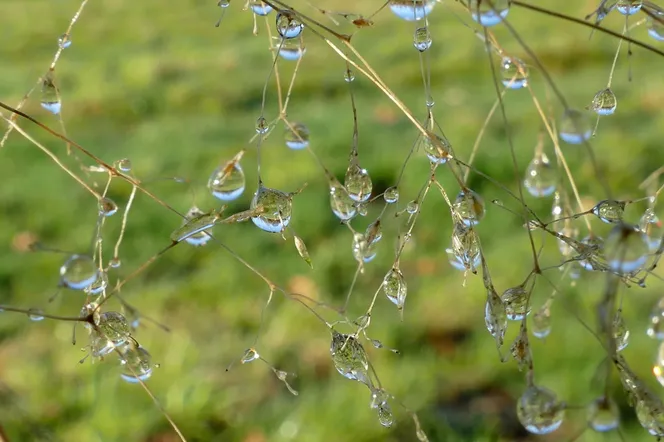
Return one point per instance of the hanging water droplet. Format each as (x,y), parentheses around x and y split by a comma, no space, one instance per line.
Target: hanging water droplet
(595,252)
(422,39)
(391,195)
(35,314)
(358,183)
(87,310)
(541,327)
(604,102)
(64,41)
(199,238)
(657,321)
(107,207)
(469,206)
(541,177)
(385,416)
(49,96)
(656,25)
(194,225)
(136,363)
(277,208)
(115,263)
(349,357)
(495,316)
(260,8)
(488,13)
(603,415)
(297,136)
(514,73)
(437,149)
(363,251)
(123,165)
(342,204)
(653,228)
(291,50)
(609,211)
(224,3)
(99,285)
(363,209)
(539,411)
(288,25)
(620,332)
(412,10)
(412,207)
(629,7)
(261,126)
(457,263)
(516,303)
(626,248)
(227,182)
(112,331)
(465,246)
(575,127)
(349,76)
(394,287)
(249,355)
(78,272)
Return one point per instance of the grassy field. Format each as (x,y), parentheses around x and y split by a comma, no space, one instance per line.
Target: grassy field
(157,83)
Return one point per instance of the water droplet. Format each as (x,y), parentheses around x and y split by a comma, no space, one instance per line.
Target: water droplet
(539,411)
(291,50)
(391,195)
(249,355)
(288,25)
(136,364)
(629,7)
(656,25)
(626,248)
(541,177)
(575,127)
(609,211)
(437,149)
(422,39)
(115,263)
(227,182)
(112,331)
(261,125)
(277,207)
(78,272)
(363,209)
(514,73)
(516,303)
(90,309)
(349,357)
(653,228)
(35,314)
(412,10)
(657,321)
(99,285)
(342,204)
(200,238)
(107,207)
(260,8)
(349,76)
(595,252)
(541,327)
(465,246)
(49,96)
(224,4)
(604,102)
(620,332)
(603,415)
(362,250)
(469,206)
(358,183)
(379,398)
(495,316)
(298,137)
(385,416)
(123,165)
(394,287)
(651,416)
(488,13)
(64,41)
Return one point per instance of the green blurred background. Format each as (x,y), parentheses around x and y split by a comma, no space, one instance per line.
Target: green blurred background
(157,83)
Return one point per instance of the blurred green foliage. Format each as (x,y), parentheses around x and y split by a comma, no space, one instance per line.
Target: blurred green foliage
(156,82)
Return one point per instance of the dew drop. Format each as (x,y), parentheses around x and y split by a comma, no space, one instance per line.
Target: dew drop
(224,4)
(249,355)
(514,73)
(277,208)
(469,206)
(609,211)
(358,183)
(363,251)
(575,128)
(112,331)
(385,416)
(35,314)
(115,263)
(539,411)
(349,76)
(136,364)
(394,287)
(123,165)
(412,10)
(291,50)
(261,125)
(260,8)
(629,7)
(437,149)
(422,39)
(49,96)
(90,309)
(107,207)
(64,41)
(541,327)
(488,13)
(363,209)
(656,25)
(391,195)
(379,398)
(200,237)
(412,207)
(495,316)
(620,332)
(516,303)
(604,102)
(78,272)
(465,246)
(341,203)
(297,137)
(99,285)
(653,228)
(603,415)
(227,182)
(596,244)
(349,357)
(541,176)
(458,264)
(626,249)
(288,25)
(651,416)
(657,321)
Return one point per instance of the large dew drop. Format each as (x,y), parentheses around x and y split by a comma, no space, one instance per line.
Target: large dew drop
(288,25)
(260,8)
(488,13)
(78,272)
(541,177)
(604,102)
(277,207)
(575,128)
(629,7)
(358,183)
(199,238)
(341,203)
(394,286)
(465,246)
(603,415)
(349,358)
(626,249)
(107,207)
(539,411)
(469,206)
(112,331)
(412,10)
(297,136)
(516,303)
(291,50)
(422,39)
(136,364)
(437,149)
(609,211)
(49,96)
(391,195)
(514,73)
(227,182)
